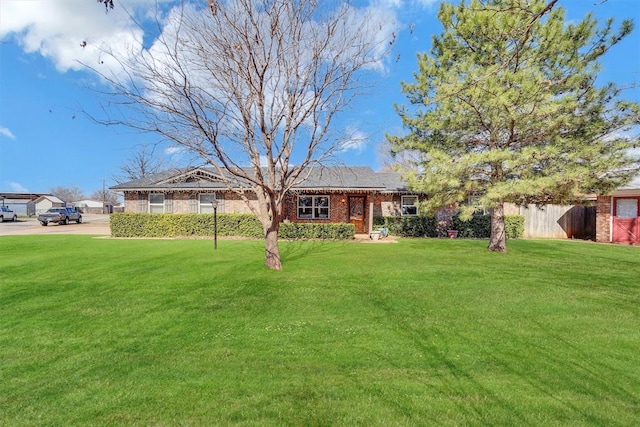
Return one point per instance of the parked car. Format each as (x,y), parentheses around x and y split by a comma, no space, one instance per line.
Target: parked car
(60,216)
(7,214)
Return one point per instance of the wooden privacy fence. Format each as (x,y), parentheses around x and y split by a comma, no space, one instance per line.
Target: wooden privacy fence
(559,221)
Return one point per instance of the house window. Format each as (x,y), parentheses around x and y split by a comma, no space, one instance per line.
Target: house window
(313,207)
(156,203)
(627,208)
(204,201)
(409,205)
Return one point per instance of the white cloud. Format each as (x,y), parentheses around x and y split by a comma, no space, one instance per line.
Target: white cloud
(427,3)
(17,188)
(398,4)
(356,140)
(6,132)
(174,149)
(69,32)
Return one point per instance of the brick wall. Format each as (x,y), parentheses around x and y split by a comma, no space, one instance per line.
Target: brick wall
(338,208)
(187,202)
(603,219)
(386,205)
(233,203)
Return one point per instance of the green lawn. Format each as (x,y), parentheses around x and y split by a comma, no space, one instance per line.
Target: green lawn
(423,332)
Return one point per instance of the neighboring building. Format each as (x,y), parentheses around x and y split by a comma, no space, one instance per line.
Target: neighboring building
(93,207)
(47,201)
(331,194)
(618,215)
(23,204)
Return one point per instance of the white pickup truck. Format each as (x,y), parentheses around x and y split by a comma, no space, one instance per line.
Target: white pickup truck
(60,215)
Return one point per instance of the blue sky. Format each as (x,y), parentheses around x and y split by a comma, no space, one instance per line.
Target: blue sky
(47,141)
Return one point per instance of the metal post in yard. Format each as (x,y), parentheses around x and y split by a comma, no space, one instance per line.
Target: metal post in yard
(214,203)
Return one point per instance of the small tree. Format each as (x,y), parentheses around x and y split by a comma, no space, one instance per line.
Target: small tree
(143,163)
(105,196)
(67,194)
(510,111)
(253,87)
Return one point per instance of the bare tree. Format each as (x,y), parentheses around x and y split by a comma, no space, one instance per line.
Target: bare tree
(143,163)
(67,194)
(254,88)
(105,196)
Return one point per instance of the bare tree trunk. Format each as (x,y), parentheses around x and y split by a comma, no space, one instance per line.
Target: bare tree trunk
(498,239)
(272,251)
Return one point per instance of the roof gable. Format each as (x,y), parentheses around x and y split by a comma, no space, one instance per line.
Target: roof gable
(52,199)
(191,175)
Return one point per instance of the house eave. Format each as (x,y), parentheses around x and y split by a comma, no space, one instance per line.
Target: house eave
(627,192)
(165,189)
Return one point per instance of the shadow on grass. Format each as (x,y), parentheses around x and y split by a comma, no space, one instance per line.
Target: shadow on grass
(295,250)
(470,395)
(581,381)
(545,366)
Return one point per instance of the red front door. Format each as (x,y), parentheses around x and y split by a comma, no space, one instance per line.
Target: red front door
(356,213)
(626,224)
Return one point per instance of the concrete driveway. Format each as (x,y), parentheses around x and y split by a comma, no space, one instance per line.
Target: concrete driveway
(91,224)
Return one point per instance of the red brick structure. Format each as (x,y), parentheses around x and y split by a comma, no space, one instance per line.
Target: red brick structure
(618,215)
(343,194)
(603,219)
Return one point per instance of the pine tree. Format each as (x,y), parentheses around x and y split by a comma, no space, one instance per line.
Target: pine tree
(506,108)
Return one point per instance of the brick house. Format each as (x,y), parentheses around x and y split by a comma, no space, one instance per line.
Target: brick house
(333,194)
(618,215)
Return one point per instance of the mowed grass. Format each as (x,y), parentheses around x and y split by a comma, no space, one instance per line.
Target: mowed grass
(422,332)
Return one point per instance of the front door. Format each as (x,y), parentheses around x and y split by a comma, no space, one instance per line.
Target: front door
(626,225)
(356,212)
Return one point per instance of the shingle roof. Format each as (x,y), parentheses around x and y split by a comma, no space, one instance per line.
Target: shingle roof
(321,178)
(52,199)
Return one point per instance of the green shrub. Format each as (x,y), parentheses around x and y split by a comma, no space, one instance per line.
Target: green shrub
(479,226)
(229,225)
(408,226)
(327,231)
(514,226)
(184,225)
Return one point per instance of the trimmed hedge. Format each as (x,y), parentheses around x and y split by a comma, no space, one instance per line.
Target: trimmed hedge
(514,226)
(229,225)
(247,225)
(408,226)
(479,226)
(326,231)
(183,225)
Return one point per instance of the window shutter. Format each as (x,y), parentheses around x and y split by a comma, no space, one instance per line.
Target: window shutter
(193,203)
(142,203)
(168,203)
